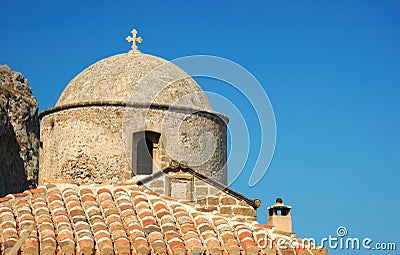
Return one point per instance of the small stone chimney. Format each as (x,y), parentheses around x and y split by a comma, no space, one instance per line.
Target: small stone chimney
(279,216)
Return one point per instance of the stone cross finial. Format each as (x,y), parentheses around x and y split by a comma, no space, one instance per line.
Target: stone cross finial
(133,39)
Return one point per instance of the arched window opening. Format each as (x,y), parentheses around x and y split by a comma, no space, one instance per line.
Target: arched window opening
(144,146)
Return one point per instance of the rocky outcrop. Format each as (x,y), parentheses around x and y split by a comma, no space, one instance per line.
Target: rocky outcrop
(12,172)
(19,133)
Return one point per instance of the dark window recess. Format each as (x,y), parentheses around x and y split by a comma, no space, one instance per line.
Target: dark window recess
(145,157)
(144,144)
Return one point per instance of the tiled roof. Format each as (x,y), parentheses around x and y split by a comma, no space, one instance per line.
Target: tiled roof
(107,220)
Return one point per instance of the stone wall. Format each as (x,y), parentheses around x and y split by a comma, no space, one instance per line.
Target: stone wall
(83,146)
(93,144)
(19,131)
(195,139)
(201,195)
(222,202)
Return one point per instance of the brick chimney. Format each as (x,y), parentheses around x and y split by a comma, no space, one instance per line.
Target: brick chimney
(279,216)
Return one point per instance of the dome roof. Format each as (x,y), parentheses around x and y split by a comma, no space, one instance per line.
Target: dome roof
(135,78)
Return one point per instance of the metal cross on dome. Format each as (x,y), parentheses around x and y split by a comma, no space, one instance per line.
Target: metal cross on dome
(133,39)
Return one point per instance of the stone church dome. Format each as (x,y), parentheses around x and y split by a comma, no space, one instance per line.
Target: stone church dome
(128,115)
(115,78)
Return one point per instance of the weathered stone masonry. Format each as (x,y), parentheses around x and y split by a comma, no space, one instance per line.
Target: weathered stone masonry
(84,149)
(96,118)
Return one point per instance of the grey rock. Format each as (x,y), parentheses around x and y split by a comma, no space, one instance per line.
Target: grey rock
(19,143)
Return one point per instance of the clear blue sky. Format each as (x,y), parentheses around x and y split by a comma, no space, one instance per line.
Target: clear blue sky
(331,70)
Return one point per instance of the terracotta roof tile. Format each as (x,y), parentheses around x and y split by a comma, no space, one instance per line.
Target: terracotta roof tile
(26,222)
(107,220)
